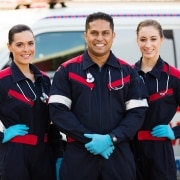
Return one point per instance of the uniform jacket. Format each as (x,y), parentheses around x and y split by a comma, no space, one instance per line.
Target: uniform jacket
(164,94)
(78,106)
(15,108)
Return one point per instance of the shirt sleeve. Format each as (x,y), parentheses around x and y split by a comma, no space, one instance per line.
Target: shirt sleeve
(60,108)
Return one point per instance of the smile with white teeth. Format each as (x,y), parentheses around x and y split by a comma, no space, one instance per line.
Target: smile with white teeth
(26,55)
(99,45)
(149,51)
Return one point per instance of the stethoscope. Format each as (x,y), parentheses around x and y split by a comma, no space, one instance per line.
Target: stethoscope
(90,79)
(157,83)
(43,98)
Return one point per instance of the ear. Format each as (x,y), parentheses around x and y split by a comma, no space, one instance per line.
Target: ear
(9,46)
(85,35)
(162,40)
(114,35)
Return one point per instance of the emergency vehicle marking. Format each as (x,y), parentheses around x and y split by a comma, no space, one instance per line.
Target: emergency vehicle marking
(81,80)
(114,15)
(156,96)
(20,97)
(118,83)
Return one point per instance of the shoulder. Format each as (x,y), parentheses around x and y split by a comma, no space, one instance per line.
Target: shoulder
(77,59)
(123,62)
(172,71)
(5,72)
(44,74)
(126,66)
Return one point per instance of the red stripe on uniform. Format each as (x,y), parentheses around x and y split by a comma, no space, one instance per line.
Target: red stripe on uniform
(29,139)
(156,96)
(26,139)
(146,135)
(77,59)
(5,72)
(80,79)
(20,97)
(118,83)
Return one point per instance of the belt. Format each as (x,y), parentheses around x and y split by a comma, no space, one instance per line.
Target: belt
(146,135)
(70,139)
(29,139)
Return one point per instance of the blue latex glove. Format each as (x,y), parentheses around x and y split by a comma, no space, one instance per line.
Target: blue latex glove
(15,130)
(98,144)
(106,153)
(163,131)
(58,166)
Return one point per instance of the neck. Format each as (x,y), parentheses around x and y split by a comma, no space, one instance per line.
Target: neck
(99,60)
(147,65)
(26,71)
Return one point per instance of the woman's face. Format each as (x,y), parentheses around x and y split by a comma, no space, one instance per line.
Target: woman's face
(149,42)
(22,47)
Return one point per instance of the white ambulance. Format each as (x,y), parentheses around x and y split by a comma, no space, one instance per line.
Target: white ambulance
(59,36)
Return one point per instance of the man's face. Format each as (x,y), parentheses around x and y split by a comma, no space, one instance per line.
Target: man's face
(99,38)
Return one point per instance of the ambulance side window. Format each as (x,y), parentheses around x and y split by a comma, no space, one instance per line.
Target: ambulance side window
(168,49)
(53,48)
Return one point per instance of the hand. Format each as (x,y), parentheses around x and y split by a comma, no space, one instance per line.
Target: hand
(58,166)
(163,131)
(15,130)
(98,144)
(106,153)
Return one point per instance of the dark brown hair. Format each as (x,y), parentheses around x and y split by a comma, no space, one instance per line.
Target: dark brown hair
(150,22)
(14,30)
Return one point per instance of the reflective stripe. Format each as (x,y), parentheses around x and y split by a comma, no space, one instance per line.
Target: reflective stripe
(134,103)
(1,127)
(60,99)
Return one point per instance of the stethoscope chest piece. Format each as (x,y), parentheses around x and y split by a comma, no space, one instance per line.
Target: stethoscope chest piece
(44,97)
(89,78)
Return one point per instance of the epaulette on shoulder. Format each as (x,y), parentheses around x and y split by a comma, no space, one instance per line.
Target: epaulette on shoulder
(5,72)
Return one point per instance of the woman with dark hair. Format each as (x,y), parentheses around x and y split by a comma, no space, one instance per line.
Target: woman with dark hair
(30,143)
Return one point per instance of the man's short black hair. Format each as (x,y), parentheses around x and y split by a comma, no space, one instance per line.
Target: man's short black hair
(99,15)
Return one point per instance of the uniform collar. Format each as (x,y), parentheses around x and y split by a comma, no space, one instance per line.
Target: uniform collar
(17,75)
(87,62)
(157,69)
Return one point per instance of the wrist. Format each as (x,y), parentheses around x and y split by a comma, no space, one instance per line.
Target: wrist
(113,138)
